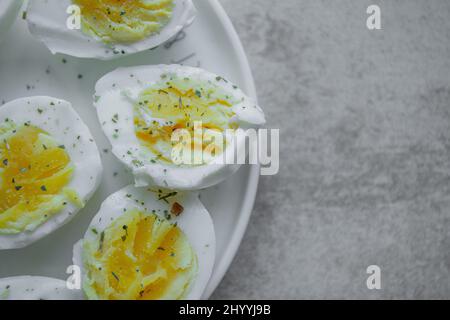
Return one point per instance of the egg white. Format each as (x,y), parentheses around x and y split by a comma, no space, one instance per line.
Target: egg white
(59,119)
(36,288)
(110,100)
(194,221)
(47,21)
(8,14)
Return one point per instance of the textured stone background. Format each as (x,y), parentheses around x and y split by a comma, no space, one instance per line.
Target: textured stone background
(365,150)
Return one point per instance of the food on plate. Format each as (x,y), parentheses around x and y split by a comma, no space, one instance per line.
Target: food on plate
(115,21)
(147,245)
(172,125)
(49,168)
(36,288)
(109,28)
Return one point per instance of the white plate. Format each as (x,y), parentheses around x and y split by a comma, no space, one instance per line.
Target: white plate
(27,68)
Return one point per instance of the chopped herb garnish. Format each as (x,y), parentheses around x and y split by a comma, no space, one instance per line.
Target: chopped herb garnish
(115,276)
(102,238)
(167,196)
(137,163)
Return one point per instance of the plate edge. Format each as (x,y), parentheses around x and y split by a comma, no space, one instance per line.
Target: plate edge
(250,194)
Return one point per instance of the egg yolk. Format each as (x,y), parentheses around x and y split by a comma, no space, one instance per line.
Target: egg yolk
(124,21)
(188,105)
(139,257)
(34,173)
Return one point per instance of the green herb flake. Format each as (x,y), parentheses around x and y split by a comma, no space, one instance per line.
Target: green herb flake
(102,238)
(115,276)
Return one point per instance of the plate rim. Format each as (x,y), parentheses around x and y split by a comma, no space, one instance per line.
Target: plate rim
(223,265)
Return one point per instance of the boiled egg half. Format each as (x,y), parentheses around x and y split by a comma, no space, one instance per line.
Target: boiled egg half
(107,29)
(173,125)
(49,168)
(147,244)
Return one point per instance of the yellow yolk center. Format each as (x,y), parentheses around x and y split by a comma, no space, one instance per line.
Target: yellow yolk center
(139,257)
(34,173)
(201,113)
(122,21)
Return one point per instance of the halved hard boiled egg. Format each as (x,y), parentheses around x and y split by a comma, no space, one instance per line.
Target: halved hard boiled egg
(49,168)
(108,28)
(173,126)
(147,244)
(36,288)
(8,14)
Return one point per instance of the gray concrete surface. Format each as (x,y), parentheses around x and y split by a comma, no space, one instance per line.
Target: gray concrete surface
(365,150)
